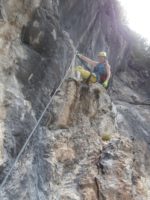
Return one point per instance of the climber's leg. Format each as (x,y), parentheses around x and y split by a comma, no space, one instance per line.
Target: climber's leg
(85,74)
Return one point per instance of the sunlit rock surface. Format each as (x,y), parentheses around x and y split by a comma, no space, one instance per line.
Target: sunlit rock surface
(67,158)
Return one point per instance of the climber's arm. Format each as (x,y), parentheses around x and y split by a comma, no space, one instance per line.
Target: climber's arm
(88,60)
(108,69)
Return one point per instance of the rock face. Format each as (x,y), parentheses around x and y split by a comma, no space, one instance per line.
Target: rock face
(70,158)
(67,158)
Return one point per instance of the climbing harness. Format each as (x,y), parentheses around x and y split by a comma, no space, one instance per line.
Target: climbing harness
(35,127)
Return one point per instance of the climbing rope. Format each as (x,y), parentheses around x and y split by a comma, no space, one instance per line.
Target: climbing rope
(41,117)
(35,127)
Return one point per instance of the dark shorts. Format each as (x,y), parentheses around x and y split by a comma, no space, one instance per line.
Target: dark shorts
(103,78)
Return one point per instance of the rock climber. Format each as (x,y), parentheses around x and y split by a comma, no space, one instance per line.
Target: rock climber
(101,72)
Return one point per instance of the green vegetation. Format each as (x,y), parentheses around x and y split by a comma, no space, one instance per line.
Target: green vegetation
(106,137)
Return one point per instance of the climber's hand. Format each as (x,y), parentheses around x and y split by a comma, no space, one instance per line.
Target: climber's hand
(79,55)
(105,84)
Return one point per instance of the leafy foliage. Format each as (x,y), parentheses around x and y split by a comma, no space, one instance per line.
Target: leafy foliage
(106,137)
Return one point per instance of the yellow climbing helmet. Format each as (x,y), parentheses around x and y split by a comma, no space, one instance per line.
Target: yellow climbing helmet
(102,54)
